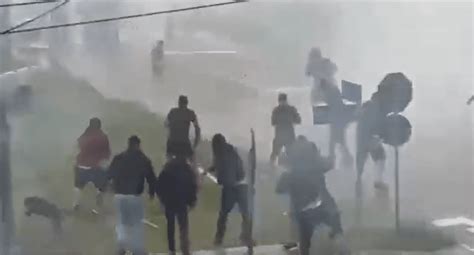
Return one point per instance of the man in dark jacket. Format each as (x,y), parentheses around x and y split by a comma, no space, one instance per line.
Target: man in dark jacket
(311,203)
(177,190)
(94,151)
(284,117)
(178,123)
(231,176)
(128,172)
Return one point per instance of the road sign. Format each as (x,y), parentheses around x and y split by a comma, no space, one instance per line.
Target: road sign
(396,130)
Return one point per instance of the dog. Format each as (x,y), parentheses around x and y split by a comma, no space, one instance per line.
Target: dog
(41,207)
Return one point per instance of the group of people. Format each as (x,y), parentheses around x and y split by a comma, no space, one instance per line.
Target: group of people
(322,71)
(176,186)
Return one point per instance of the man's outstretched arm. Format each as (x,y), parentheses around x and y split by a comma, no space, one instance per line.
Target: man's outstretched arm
(471,99)
(197,132)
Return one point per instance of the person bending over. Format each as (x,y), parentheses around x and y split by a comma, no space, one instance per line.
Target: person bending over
(311,202)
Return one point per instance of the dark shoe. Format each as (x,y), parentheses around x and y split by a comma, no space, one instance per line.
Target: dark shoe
(380,185)
(121,252)
(217,243)
(289,246)
(248,243)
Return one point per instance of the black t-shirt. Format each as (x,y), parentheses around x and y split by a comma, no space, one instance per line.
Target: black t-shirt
(283,118)
(179,120)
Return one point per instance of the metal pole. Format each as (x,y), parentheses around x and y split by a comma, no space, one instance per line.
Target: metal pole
(397,191)
(5,41)
(6,221)
(252,191)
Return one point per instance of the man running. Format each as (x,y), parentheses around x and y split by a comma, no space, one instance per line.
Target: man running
(311,202)
(177,190)
(178,122)
(368,141)
(128,172)
(284,117)
(230,173)
(338,121)
(94,151)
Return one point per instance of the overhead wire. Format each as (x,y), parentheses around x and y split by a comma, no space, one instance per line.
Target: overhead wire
(28,3)
(81,23)
(12,29)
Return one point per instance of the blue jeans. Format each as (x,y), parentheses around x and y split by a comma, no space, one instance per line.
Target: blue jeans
(129,228)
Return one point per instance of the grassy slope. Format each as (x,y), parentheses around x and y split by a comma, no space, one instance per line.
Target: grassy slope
(43,156)
(44,150)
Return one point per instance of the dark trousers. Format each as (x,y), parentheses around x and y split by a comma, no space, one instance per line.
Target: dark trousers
(229,197)
(337,135)
(181,215)
(278,144)
(364,149)
(308,220)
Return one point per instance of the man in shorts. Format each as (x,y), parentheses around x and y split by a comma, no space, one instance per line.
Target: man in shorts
(94,151)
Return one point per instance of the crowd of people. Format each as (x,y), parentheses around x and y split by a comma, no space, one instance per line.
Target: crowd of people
(177,184)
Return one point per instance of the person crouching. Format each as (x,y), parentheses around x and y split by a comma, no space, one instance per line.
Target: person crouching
(177,190)
(311,202)
(128,172)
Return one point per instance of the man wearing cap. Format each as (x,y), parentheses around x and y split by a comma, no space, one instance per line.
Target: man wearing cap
(94,151)
(178,122)
(284,117)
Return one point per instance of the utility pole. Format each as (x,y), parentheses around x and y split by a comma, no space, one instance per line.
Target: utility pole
(6,209)
(6,206)
(5,41)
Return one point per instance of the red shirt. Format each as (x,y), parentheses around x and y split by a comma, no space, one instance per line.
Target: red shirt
(94,147)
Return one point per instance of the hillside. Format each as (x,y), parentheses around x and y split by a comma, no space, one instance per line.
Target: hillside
(44,147)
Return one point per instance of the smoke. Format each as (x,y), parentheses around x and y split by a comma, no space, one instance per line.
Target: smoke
(431,42)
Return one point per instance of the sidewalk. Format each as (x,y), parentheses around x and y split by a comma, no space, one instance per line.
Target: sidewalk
(278,250)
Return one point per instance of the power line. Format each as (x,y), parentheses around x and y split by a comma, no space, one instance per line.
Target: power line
(81,23)
(11,30)
(28,3)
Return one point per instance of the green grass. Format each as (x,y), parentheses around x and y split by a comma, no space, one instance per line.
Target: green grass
(44,149)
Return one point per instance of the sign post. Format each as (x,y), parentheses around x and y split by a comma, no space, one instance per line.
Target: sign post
(6,219)
(396,132)
(253,167)
(397,191)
